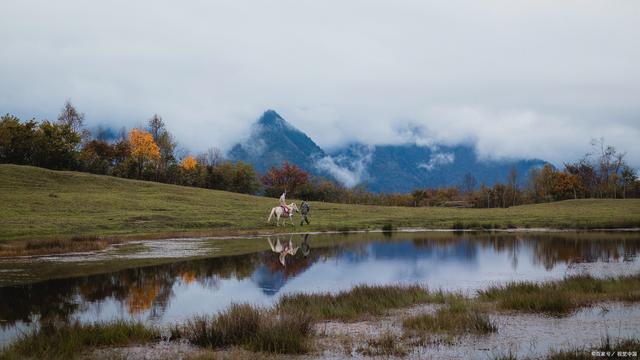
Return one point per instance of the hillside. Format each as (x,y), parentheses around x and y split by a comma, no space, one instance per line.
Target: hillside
(41,204)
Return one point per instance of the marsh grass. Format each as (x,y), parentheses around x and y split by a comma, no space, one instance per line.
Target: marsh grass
(250,327)
(606,345)
(69,340)
(562,297)
(457,317)
(386,344)
(363,300)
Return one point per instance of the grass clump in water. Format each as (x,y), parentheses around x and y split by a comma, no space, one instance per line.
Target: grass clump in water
(562,297)
(455,318)
(69,340)
(360,301)
(606,346)
(249,327)
(386,344)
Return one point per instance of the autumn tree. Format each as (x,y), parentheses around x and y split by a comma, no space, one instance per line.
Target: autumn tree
(143,149)
(566,186)
(98,156)
(188,163)
(288,178)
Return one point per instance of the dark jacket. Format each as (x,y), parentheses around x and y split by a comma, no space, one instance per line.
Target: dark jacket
(304,208)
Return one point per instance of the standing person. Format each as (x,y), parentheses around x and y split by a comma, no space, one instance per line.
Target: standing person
(304,211)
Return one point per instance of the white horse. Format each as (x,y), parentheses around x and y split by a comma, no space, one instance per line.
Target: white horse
(283,250)
(279,212)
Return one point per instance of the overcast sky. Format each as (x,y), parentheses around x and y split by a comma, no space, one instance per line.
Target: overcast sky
(515,78)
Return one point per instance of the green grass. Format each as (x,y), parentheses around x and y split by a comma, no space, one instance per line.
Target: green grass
(562,297)
(69,341)
(244,325)
(458,316)
(44,204)
(359,302)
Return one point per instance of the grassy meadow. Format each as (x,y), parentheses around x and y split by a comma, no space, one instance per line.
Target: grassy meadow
(39,204)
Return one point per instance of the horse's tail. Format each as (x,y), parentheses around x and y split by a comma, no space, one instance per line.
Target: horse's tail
(270,215)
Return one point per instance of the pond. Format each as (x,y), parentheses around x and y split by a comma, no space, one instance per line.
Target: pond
(170,292)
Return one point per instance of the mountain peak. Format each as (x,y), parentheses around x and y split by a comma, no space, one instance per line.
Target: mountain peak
(272,141)
(270,118)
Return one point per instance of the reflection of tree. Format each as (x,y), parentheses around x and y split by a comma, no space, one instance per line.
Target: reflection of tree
(547,249)
(138,290)
(188,277)
(150,289)
(141,298)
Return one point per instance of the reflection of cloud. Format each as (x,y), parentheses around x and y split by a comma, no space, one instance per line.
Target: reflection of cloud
(348,171)
(438,159)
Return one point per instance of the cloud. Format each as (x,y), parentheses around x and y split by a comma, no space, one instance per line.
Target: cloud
(349,171)
(515,79)
(438,159)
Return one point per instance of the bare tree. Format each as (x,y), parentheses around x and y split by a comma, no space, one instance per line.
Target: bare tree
(69,116)
(212,157)
(156,127)
(628,178)
(609,163)
(513,183)
(468,184)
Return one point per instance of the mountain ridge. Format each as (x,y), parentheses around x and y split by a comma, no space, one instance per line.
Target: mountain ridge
(381,168)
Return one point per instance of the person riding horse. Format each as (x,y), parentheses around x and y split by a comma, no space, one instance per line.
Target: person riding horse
(283,204)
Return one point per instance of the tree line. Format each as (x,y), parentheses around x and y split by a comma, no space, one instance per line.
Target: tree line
(151,153)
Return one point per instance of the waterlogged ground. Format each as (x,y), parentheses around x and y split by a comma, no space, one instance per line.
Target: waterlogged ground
(163,282)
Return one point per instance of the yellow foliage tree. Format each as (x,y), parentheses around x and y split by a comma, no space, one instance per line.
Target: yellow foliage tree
(188,163)
(143,148)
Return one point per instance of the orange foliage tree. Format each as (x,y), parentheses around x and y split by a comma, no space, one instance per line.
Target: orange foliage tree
(143,148)
(289,177)
(188,163)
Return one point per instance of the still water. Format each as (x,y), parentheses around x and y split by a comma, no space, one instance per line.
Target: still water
(165,294)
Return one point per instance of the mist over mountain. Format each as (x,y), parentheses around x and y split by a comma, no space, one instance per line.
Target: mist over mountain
(381,168)
(273,140)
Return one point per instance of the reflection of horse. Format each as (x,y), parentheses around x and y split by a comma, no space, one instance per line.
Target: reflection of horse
(283,250)
(280,212)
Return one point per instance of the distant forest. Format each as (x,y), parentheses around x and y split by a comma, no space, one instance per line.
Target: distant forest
(150,153)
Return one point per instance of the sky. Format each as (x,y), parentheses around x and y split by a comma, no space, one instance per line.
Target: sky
(516,79)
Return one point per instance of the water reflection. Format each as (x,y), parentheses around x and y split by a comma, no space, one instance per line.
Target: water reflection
(167,293)
(283,250)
